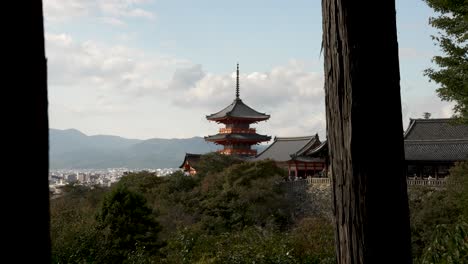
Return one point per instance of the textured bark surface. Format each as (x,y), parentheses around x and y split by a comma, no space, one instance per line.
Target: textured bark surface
(25,205)
(365,132)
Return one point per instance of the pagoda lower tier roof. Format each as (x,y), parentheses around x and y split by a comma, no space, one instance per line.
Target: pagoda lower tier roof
(238,110)
(243,137)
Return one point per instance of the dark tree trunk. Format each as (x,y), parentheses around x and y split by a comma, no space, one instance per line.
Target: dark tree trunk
(25,148)
(365,132)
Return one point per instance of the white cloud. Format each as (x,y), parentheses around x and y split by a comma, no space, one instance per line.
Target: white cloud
(292,82)
(413,53)
(187,77)
(108,11)
(60,10)
(112,21)
(118,68)
(124,8)
(103,88)
(416,107)
(288,93)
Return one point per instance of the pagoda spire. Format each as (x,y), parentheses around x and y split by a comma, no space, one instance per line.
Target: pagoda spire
(237,83)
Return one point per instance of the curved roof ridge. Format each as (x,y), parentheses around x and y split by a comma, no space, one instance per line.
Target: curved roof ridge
(240,110)
(318,148)
(308,145)
(269,146)
(410,126)
(224,109)
(296,138)
(432,119)
(455,140)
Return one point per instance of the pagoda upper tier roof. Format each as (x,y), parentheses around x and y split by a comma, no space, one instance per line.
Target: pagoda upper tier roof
(246,137)
(238,110)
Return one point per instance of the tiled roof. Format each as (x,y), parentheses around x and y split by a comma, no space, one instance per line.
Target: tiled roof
(238,136)
(237,109)
(283,147)
(436,140)
(436,150)
(191,158)
(435,129)
(322,148)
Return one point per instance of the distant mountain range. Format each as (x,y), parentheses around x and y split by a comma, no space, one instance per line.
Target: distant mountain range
(72,149)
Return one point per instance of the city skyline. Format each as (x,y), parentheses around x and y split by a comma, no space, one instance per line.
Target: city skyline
(154,69)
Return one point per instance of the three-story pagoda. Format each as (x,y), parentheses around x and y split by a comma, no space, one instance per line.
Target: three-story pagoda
(237,136)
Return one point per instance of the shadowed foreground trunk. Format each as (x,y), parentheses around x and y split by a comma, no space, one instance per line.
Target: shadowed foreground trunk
(25,201)
(365,132)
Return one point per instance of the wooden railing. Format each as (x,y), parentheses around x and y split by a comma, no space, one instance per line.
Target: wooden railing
(238,152)
(311,180)
(225,130)
(410,182)
(426,182)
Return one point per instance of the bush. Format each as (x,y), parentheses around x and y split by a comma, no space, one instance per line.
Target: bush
(435,211)
(313,241)
(449,245)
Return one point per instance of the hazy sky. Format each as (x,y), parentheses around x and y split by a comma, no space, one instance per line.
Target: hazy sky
(155,68)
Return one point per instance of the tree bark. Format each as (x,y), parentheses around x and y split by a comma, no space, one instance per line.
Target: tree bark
(365,132)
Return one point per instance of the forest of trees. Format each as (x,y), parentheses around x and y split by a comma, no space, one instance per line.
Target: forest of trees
(231,212)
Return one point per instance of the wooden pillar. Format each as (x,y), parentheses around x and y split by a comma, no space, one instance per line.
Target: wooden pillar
(295,166)
(305,163)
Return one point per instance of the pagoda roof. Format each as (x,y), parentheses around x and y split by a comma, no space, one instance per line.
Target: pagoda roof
(284,147)
(238,137)
(238,110)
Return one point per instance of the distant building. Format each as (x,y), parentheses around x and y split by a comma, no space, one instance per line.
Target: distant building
(433,145)
(237,136)
(301,156)
(189,164)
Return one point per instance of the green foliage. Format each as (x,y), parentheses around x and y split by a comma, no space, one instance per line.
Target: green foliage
(254,245)
(449,245)
(452,72)
(126,221)
(234,212)
(313,241)
(72,227)
(438,217)
(214,163)
(458,187)
(243,195)
(142,182)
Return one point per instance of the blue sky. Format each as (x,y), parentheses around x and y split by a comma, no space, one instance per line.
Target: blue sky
(156,68)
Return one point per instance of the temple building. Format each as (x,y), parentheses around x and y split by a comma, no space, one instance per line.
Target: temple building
(237,137)
(189,163)
(433,145)
(302,157)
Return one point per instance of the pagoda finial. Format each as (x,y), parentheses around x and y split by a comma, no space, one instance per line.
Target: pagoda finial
(237,83)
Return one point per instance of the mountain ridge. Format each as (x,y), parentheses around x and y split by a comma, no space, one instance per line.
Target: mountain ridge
(72,149)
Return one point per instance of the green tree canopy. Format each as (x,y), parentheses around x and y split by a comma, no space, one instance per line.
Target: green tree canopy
(128,223)
(452,71)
